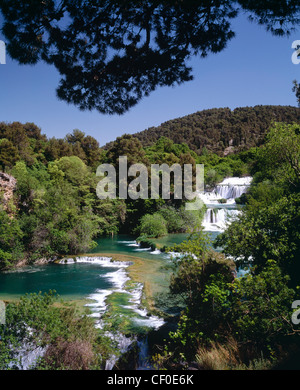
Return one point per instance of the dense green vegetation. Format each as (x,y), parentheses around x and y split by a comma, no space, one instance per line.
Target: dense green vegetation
(226,322)
(55,211)
(221,130)
(245,322)
(39,321)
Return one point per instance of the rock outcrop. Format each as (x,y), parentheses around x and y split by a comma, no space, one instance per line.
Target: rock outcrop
(7,187)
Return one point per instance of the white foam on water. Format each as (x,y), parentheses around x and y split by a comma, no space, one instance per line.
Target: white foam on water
(155,252)
(99,298)
(127,242)
(118,279)
(229,189)
(150,322)
(173,255)
(237,181)
(218,219)
(218,216)
(103,261)
(136,294)
(123,345)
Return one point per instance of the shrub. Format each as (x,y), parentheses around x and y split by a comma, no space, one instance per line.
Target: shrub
(70,355)
(173,218)
(146,243)
(152,226)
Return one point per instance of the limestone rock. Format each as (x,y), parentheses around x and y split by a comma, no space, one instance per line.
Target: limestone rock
(7,187)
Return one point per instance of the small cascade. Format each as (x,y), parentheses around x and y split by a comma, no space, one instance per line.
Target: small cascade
(27,355)
(216,219)
(215,216)
(233,187)
(118,279)
(219,213)
(143,358)
(124,344)
(230,191)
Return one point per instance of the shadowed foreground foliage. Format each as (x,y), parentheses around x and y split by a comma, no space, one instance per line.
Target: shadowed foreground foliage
(110,54)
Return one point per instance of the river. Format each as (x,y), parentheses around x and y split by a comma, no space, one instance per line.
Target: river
(135,273)
(80,280)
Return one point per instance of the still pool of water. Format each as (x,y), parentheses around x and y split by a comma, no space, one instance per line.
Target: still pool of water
(78,281)
(70,281)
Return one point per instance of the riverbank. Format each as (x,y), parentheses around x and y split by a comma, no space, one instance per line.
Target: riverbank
(146,268)
(123,309)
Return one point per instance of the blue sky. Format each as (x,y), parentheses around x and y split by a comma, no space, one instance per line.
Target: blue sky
(255,68)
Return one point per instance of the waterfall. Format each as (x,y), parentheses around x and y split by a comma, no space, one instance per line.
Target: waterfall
(216,219)
(230,191)
(27,354)
(143,359)
(218,215)
(124,344)
(118,279)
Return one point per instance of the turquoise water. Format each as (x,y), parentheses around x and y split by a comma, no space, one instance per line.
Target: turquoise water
(77,281)
(106,288)
(71,281)
(124,244)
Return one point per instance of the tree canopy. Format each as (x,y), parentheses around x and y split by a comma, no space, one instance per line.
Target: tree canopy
(110,54)
(217,130)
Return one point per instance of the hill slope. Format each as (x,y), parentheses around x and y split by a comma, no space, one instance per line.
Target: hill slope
(221,129)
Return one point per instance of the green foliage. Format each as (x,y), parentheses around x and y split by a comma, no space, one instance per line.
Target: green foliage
(202,278)
(11,247)
(279,157)
(261,307)
(56,207)
(166,150)
(70,337)
(269,227)
(152,226)
(56,200)
(8,153)
(173,219)
(255,309)
(145,242)
(219,129)
(128,146)
(169,219)
(74,170)
(272,232)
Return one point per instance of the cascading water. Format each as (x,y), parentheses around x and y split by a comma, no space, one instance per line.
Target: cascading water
(27,355)
(118,278)
(233,187)
(143,359)
(218,215)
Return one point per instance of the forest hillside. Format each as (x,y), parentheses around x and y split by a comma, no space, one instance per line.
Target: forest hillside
(221,130)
